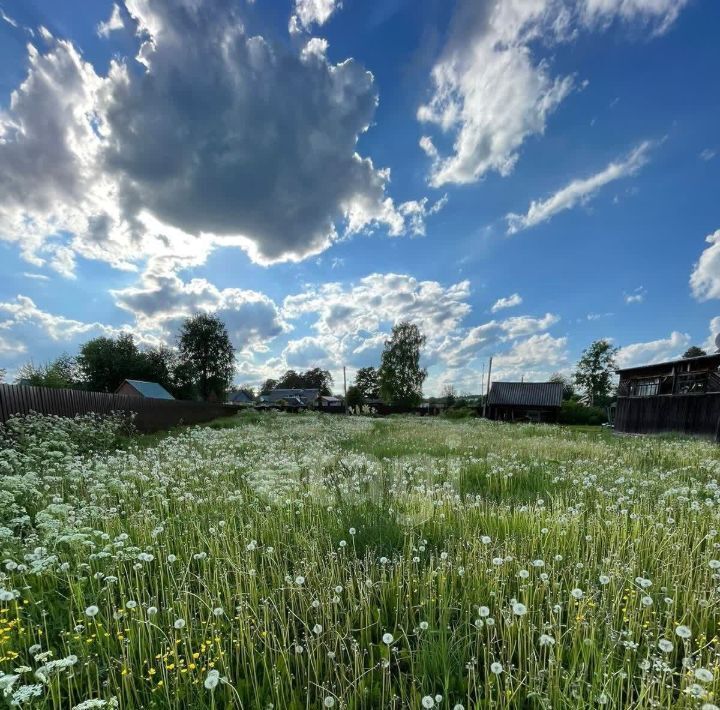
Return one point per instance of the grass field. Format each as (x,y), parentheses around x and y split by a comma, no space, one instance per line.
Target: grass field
(297,561)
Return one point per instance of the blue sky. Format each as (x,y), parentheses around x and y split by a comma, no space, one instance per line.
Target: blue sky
(518,177)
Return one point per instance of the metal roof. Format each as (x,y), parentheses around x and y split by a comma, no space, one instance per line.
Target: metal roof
(526,394)
(151,390)
(307,395)
(704,360)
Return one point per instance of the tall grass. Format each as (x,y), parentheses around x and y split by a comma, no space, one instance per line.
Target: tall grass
(309,561)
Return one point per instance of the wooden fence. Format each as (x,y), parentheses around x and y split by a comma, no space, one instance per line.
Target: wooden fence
(150,414)
(697,414)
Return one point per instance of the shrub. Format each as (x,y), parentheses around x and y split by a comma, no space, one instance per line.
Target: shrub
(574,412)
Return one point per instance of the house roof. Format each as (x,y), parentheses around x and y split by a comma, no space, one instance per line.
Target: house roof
(304,394)
(151,390)
(240,396)
(526,394)
(701,361)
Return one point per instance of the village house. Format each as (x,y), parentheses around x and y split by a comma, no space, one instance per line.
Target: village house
(525,401)
(677,396)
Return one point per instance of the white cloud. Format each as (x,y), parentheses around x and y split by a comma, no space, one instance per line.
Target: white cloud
(705,278)
(22,311)
(534,358)
(714,327)
(659,15)
(707,154)
(507,302)
(11,346)
(312,12)
(635,296)
(492,89)
(239,142)
(579,191)
(161,301)
(653,351)
(113,23)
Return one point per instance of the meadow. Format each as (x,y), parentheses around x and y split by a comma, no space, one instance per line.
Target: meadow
(304,561)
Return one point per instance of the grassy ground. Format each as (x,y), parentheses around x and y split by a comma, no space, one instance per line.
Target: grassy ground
(301,561)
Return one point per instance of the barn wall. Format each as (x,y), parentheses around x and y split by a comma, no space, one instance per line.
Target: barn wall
(687,414)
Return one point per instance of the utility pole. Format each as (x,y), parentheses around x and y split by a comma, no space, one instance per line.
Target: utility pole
(482,388)
(345,389)
(488,386)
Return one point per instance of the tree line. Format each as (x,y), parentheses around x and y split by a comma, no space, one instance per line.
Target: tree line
(201,366)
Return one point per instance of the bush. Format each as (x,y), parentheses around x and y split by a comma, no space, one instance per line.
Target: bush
(574,412)
(459,413)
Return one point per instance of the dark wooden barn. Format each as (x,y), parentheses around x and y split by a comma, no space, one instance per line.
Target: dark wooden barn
(525,401)
(677,396)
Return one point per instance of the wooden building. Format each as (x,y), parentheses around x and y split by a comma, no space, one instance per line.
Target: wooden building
(525,401)
(677,396)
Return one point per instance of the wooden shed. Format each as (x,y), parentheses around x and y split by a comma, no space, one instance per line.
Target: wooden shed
(525,401)
(676,396)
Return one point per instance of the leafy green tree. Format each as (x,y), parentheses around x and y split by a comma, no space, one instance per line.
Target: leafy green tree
(268,386)
(594,373)
(354,397)
(3,372)
(694,351)
(207,356)
(366,380)
(317,379)
(566,382)
(401,377)
(61,373)
(105,362)
(449,395)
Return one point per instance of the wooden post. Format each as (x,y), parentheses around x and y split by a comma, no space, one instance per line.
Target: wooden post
(487,394)
(345,390)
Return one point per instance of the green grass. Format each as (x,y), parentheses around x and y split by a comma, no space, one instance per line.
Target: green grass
(289,545)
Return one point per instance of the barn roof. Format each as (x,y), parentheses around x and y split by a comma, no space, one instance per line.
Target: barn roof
(151,390)
(526,394)
(712,360)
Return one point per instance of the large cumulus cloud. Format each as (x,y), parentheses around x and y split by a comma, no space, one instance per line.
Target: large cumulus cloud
(209,131)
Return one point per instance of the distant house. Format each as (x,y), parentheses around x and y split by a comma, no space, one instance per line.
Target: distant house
(677,396)
(240,397)
(291,397)
(525,401)
(140,388)
(332,404)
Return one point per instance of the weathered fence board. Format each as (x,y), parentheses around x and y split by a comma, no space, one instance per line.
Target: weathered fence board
(150,414)
(686,414)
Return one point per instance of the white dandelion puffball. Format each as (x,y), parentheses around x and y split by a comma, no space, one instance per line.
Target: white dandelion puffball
(317,629)
(329,702)
(519,609)
(428,701)
(496,668)
(665,646)
(388,639)
(212,680)
(484,611)
(152,610)
(604,579)
(704,675)
(299,580)
(92,611)
(577,593)
(424,625)
(218,611)
(683,632)
(547,640)
(179,623)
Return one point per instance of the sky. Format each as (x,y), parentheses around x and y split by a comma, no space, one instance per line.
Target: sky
(518,177)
